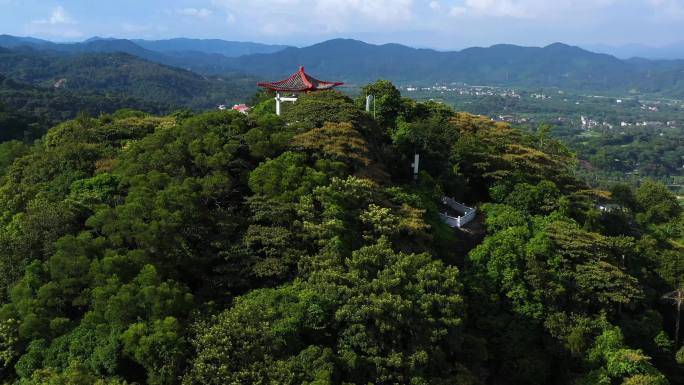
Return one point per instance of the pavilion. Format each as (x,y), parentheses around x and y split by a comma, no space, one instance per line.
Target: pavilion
(297,83)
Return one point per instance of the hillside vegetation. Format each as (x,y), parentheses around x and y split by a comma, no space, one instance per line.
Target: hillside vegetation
(119,74)
(208,46)
(27,111)
(221,248)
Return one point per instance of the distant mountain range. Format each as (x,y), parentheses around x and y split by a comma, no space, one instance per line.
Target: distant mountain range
(205,56)
(354,62)
(667,52)
(207,46)
(554,66)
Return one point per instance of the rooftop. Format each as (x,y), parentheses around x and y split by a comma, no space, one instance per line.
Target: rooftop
(299,81)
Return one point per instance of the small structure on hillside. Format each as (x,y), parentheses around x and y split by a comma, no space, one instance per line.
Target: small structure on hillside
(415,166)
(241,108)
(297,83)
(461,214)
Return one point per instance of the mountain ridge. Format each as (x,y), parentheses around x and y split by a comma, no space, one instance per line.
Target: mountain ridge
(198,60)
(557,65)
(673,51)
(226,48)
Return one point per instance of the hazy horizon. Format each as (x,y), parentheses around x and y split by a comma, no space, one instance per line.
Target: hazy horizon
(336,37)
(443,25)
(668,52)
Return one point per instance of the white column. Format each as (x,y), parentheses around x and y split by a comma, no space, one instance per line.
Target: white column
(416,161)
(369,99)
(277,99)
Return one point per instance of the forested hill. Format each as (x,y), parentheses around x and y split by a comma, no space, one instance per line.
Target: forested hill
(209,46)
(91,45)
(556,65)
(124,75)
(222,248)
(27,111)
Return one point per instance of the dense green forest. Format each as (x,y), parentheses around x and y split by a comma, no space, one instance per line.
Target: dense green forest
(220,248)
(27,111)
(120,75)
(630,154)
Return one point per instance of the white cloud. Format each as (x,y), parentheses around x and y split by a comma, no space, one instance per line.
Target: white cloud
(668,8)
(457,10)
(58,16)
(200,13)
(339,15)
(59,23)
(530,9)
(387,16)
(146,31)
(134,28)
(274,17)
(501,8)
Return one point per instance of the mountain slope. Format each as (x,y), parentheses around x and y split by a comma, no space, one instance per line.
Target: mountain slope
(668,52)
(348,60)
(9,41)
(88,46)
(116,45)
(123,74)
(208,46)
(27,111)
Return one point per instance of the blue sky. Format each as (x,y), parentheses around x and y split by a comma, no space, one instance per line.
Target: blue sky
(443,24)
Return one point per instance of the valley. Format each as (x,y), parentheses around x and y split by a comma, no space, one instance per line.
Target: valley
(621,138)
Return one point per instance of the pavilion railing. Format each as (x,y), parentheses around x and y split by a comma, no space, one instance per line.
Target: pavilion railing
(469,213)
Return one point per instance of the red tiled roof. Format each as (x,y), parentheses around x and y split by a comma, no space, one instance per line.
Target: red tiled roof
(299,81)
(241,108)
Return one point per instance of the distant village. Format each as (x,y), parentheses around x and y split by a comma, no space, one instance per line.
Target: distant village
(583,121)
(467,90)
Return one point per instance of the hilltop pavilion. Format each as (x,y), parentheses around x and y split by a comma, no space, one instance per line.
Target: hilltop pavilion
(297,83)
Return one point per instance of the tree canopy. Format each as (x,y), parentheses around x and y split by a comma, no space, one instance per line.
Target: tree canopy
(220,248)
